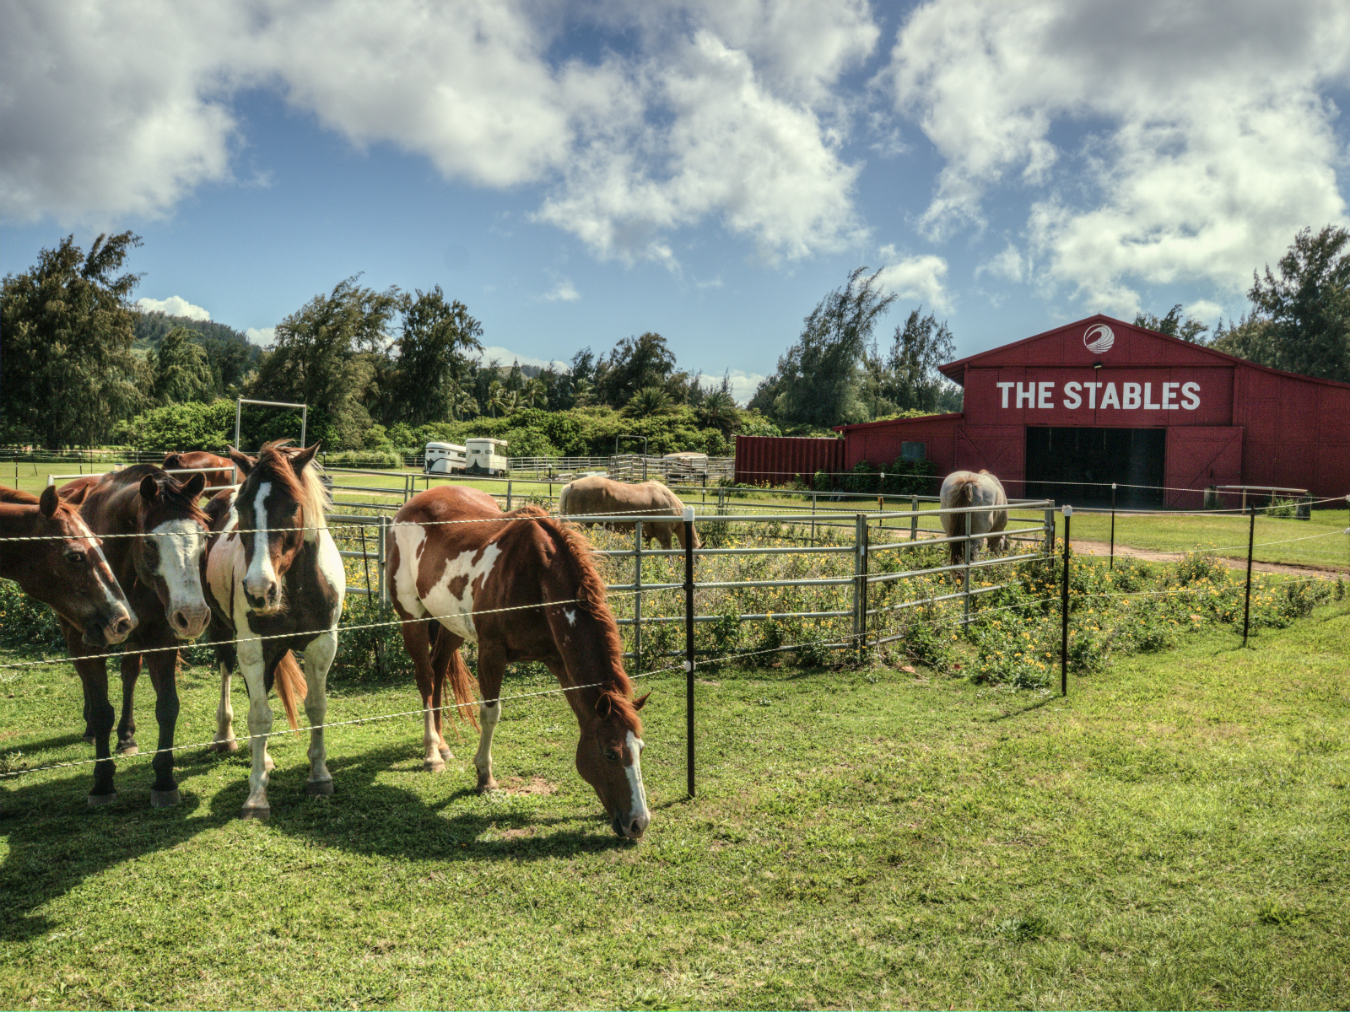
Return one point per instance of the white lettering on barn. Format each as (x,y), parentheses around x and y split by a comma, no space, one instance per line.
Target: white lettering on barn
(1131,396)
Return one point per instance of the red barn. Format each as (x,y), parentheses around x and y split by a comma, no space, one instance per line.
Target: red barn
(1064,414)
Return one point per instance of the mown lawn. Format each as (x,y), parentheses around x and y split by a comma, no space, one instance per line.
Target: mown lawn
(1174,834)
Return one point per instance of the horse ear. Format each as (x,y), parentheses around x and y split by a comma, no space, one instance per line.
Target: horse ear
(640,702)
(74,496)
(149,488)
(604,706)
(194,485)
(242,461)
(48,501)
(302,457)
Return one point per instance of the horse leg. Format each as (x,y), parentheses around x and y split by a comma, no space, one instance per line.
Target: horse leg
(491,669)
(259,727)
(417,639)
(444,655)
(163,666)
(224,740)
(319,656)
(93,672)
(126,727)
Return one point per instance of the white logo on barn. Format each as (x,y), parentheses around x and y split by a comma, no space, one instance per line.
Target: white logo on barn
(1099,339)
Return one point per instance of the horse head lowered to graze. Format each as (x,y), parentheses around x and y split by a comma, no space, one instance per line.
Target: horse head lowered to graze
(276,585)
(966,488)
(194,459)
(597,495)
(456,560)
(61,563)
(155,540)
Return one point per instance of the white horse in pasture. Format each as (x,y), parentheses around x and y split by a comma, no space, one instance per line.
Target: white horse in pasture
(966,488)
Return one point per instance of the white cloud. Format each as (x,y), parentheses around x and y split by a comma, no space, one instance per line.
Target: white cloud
(729,112)
(919,277)
(505,356)
(174,306)
(1210,141)
(1008,264)
(263,336)
(563,291)
(743,384)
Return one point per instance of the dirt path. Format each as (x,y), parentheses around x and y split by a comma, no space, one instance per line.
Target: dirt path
(1104,548)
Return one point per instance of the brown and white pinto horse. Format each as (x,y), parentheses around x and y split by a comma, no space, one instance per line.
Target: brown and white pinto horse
(192,459)
(157,555)
(444,572)
(66,568)
(276,585)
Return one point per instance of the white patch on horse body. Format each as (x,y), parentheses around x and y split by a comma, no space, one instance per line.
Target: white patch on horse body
(181,543)
(411,540)
(260,571)
(232,521)
(638,807)
(330,565)
(571,616)
(452,611)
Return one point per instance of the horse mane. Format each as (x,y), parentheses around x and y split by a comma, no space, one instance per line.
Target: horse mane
(306,488)
(591,597)
(16,495)
(170,488)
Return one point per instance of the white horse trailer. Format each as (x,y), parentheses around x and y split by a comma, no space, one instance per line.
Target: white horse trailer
(485,456)
(444,458)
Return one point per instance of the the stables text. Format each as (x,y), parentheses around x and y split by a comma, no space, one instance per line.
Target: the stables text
(1124,396)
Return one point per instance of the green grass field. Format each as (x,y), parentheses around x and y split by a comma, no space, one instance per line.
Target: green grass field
(1174,834)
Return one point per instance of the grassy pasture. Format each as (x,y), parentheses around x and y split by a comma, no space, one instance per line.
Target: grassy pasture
(1174,834)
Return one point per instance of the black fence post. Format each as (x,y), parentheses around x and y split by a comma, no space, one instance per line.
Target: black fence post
(1113,525)
(1064,611)
(689,642)
(1247,608)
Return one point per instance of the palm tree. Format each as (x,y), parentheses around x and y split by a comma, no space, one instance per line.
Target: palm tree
(496,399)
(648,401)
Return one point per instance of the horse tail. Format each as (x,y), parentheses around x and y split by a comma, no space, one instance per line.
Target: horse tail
(291,686)
(449,666)
(562,497)
(965,491)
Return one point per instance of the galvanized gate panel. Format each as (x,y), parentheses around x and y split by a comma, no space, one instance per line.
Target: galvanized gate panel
(1199,456)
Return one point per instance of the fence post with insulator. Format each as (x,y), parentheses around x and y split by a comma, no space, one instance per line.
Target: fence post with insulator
(689,642)
(1064,611)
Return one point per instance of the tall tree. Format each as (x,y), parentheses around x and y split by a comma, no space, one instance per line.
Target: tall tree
(1307,305)
(818,379)
(912,378)
(67,371)
(632,364)
(432,362)
(182,370)
(1189,329)
(326,355)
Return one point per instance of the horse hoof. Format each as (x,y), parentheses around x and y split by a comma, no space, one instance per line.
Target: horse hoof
(319,788)
(129,748)
(485,786)
(101,800)
(164,799)
(433,765)
(223,746)
(446,754)
(261,814)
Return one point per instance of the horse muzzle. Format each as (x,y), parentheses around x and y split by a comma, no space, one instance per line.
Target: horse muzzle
(110,631)
(189,622)
(629,826)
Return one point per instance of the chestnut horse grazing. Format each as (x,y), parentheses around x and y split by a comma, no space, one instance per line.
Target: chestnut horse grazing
(276,585)
(66,569)
(157,556)
(446,572)
(216,480)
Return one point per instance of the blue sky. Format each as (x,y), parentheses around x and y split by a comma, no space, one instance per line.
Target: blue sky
(577,173)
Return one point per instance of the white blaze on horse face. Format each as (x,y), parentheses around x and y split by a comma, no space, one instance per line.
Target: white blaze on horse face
(181,544)
(260,576)
(455,611)
(112,590)
(637,811)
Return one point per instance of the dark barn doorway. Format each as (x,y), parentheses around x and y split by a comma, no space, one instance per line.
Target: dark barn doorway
(1078,465)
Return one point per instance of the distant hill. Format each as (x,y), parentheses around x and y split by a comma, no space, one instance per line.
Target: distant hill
(231,354)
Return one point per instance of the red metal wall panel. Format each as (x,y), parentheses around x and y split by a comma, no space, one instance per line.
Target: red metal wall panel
(882,443)
(776,460)
(1197,457)
(999,449)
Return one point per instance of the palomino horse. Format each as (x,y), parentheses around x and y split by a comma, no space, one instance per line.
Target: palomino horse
(193,459)
(276,585)
(455,574)
(966,488)
(155,539)
(62,564)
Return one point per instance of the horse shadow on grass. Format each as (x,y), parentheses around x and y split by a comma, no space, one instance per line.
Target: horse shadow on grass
(366,816)
(56,841)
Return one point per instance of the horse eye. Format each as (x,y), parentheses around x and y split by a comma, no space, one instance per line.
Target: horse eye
(612,755)
(75,558)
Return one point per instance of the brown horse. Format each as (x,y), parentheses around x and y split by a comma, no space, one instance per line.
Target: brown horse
(66,567)
(155,540)
(446,572)
(192,459)
(276,585)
